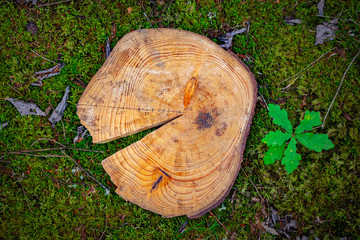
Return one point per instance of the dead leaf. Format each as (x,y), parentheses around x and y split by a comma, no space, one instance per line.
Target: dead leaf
(303,102)
(59,110)
(280,101)
(46,74)
(47,111)
(347,116)
(78,82)
(293,22)
(183,226)
(129,10)
(326,31)
(113,31)
(32,28)
(288,224)
(269,229)
(321,8)
(340,51)
(4,124)
(107,48)
(26,108)
(81,131)
(228,37)
(160,2)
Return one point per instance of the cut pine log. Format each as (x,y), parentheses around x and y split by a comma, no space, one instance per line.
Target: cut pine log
(204,98)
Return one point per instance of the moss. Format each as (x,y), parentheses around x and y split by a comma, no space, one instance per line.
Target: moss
(41,197)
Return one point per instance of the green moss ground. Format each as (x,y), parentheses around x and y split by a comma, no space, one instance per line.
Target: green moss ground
(40,197)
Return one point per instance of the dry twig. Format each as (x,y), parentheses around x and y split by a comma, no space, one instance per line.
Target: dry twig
(51,149)
(308,66)
(37,54)
(253,185)
(47,139)
(338,90)
(23,190)
(40,155)
(227,230)
(55,3)
(107,191)
(262,97)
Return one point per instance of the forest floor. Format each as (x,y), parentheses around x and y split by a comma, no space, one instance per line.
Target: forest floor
(44,192)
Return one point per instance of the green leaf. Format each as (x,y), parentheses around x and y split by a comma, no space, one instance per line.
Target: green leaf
(316,142)
(276,138)
(291,158)
(280,117)
(311,119)
(274,153)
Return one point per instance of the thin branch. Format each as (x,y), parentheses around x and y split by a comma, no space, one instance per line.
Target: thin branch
(55,3)
(350,20)
(40,155)
(47,139)
(37,54)
(263,100)
(232,234)
(308,66)
(253,185)
(59,181)
(148,19)
(23,190)
(107,191)
(14,89)
(51,149)
(5,161)
(338,90)
(103,233)
(60,119)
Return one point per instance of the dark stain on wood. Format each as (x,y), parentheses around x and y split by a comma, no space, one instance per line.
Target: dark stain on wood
(156,183)
(220,131)
(204,120)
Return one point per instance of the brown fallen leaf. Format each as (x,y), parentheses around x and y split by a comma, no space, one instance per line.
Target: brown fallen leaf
(161,2)
(347,116)
(113,31)
(129,10)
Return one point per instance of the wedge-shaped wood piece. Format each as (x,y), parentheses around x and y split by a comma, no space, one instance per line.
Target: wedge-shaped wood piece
(202,95)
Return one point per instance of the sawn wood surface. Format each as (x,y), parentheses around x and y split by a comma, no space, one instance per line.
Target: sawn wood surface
(204,98)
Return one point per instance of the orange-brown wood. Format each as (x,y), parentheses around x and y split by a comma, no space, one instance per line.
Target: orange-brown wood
(203,97)
(189,90)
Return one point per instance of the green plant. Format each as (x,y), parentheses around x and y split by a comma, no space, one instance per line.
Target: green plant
(278,140)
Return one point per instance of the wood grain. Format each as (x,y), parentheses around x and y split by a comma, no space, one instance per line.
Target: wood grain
(203,97)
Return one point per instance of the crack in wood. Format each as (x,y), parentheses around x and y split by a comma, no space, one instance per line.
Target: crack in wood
(156,183)
(164,172)
(135,109)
